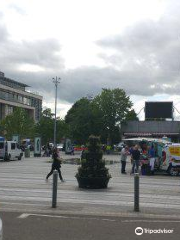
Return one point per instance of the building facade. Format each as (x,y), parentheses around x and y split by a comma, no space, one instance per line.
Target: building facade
(156,129)
(13,94)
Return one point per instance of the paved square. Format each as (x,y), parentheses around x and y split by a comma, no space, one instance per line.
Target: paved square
(23,188)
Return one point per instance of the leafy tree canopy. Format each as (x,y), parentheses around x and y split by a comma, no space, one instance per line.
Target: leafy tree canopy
(19,122)
(101,116)
(114,105)
(45,127)
(81,120)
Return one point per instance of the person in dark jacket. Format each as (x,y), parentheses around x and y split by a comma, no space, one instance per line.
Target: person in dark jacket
(136,159)
(56,165)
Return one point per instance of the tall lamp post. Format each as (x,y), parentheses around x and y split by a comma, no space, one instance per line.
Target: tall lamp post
(55,81)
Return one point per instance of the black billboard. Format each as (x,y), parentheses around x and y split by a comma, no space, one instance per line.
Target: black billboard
(158,110)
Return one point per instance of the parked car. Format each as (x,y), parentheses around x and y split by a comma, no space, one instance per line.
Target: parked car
(60,146)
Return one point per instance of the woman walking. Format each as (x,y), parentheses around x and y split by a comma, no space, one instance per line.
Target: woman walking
(56,165)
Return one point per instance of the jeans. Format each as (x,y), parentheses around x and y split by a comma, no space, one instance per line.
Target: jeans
(152,161)
(135,167)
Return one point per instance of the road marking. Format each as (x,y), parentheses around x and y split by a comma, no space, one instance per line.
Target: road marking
(26,215)
(154,221)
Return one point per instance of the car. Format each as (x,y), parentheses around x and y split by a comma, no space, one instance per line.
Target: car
(120,146)
(60,146)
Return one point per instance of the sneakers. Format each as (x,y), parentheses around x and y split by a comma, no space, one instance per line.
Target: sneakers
(46,179)
(62,180)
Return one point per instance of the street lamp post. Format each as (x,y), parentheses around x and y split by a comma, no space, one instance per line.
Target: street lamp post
(55,81)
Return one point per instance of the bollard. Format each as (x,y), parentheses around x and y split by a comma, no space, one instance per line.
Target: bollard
(54,191)
(1,230)
(136,192)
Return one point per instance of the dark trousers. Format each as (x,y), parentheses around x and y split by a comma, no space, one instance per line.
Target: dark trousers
(123,166)
(51,172)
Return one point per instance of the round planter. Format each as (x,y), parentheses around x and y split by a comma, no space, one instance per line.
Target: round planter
(92,183)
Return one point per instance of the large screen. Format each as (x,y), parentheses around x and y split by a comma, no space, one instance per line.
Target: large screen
(158,110)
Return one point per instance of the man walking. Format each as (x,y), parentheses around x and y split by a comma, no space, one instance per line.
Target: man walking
(124,154)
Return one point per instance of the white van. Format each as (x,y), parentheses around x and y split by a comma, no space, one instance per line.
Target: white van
(9,150)
(171,159)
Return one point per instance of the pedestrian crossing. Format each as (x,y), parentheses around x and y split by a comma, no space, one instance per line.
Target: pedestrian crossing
(23,187)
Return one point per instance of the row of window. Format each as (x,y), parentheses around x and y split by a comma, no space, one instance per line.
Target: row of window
(15,98)
(11,84)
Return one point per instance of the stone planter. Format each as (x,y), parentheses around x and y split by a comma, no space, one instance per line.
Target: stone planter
(92,183)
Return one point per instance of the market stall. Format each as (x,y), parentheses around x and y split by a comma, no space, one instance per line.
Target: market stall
(145,147)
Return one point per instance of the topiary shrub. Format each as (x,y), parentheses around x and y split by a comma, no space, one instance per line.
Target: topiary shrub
(92,173)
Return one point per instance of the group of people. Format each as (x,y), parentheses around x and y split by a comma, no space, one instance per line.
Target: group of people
(135,154)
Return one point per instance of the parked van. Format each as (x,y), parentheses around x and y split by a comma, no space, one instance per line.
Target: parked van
(9,150)
(171,159)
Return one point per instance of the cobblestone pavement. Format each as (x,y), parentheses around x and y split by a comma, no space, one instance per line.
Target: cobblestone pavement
(23,188)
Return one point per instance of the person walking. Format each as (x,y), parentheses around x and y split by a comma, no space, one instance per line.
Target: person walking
(135,158)
(152,159)
(124,154)
(56,165)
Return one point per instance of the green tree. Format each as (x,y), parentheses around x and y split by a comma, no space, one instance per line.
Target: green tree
(131,116)
(83,120)
(113,105)
(101,117)
(19,122)
(62,130)
(45,127)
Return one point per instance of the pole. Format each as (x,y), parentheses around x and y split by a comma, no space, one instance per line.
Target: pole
(55,81)
(136,192)
(54,192)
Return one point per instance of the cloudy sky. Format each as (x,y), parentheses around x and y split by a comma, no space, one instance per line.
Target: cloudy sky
(93,44)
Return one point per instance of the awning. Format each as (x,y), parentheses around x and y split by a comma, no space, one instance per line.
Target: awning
(143,134)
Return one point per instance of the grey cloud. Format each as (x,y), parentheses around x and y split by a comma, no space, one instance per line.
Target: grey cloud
(145,62)
(42,53)
(85,81)
(148,53)
(3,32)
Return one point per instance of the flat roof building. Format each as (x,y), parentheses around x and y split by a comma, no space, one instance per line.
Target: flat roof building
(13,94)
(156,129)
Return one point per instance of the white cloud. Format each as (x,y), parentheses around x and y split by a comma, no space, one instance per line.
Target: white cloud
(138,47)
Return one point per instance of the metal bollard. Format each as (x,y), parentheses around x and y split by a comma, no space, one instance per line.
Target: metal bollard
(1,230)
(136,192)
(54,192)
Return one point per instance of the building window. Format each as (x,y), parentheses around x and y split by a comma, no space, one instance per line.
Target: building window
(8,110)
